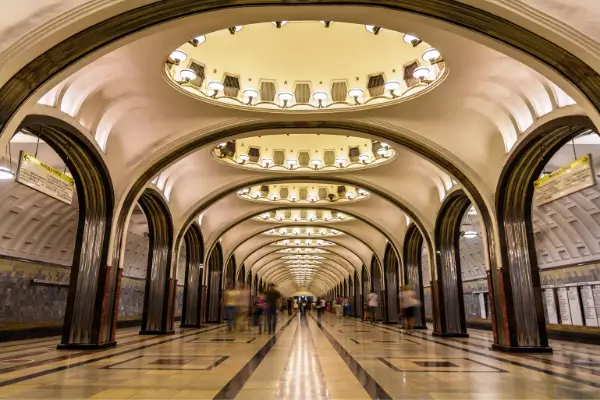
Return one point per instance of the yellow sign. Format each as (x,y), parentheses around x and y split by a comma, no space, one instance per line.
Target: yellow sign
(45,179)
(567,180)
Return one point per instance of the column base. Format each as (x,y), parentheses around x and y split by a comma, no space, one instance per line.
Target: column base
(191,326)
(420,327)
(449,334)
(170,332)
(83,346)
(517,349)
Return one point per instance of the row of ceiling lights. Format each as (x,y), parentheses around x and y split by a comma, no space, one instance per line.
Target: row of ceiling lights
(383,151)
(311,217)
(307,242)
(432,55)
(293,197)
(307,231)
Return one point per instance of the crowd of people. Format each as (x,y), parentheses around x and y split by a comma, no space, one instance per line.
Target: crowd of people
(262,311)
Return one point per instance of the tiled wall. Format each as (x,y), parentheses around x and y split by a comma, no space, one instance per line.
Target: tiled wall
(22,301)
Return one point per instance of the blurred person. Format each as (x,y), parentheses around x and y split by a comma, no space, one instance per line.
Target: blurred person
(272,296)
(230,303)
(373,302)
(338,307)
(409,304)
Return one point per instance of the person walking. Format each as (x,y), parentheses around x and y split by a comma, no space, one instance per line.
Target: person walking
(230,298)
(409,304)
(338,307)
(272,296)
(260,312)
(373,302)
(296,306)
(318,308)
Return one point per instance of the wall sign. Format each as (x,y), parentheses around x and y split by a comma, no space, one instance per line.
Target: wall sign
(40,176)
(575,305)
(567,180)
(589,307)
(563,306)
(550,305)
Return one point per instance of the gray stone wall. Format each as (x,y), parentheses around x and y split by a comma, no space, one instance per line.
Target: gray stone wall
(23,302)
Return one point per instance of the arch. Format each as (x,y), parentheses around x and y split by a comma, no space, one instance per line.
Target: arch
(230,272)
(191,315)
(377,286)
(413,275)
(214,283)
(391,271)
(518,279)
(448,269)
(160,287)
(241,276)
(254,214)
(84,326)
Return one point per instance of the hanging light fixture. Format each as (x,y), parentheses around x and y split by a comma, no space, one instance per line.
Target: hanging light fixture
(267,161)
(285,98)
(198,40)
(432,56)
(187,75)
(373,29)
(316,162)
(340,161)
(235,29)
(243,158)
(292,162)
(250,94)
(215,86)
(364,158)
(392,87)
(320,97)
(178,56)
(279,24)
(412,40)
(421,73)
(327,23)
(355,94)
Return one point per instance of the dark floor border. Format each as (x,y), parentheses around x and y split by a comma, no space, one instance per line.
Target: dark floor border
(233,387)
(504,360)
(92,360)
(368,383)
(11,335)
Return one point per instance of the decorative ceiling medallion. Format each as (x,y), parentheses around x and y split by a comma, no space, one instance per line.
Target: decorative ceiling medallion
(303,216)
(305,242)
(302,193)
(303,231)
(303,257)
(303,250)
(303,67)
(303,153)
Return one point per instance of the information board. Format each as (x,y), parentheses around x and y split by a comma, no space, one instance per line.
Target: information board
(563,306)
(550,306)
(42,177)
(575,305)
(589,306)
(567,180)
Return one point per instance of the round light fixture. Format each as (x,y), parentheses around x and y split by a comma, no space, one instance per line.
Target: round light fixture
(251,93)
(341,161)
(364,157)
(355,92)
(238,28)
(373,29)
(320,96)
(267,161)
(411,39)
(199,39)
(178,56)
(188,75)
(316,162)
(382,151)
(6,173)
(392,86)
(291,162)
(421,73)
(431,55)
(244,157)
(216,86)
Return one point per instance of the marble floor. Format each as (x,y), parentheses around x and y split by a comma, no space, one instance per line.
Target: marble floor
(305,359)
